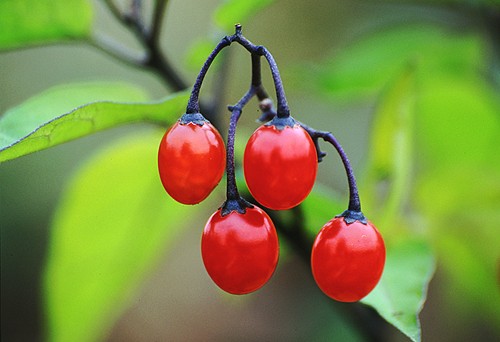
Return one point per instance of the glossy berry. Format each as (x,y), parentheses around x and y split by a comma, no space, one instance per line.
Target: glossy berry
(280,166)
(240,251)
(191,161)
(347,259)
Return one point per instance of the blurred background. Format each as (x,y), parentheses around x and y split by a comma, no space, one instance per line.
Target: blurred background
(177,301)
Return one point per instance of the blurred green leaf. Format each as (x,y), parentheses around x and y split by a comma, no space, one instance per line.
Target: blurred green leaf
(473,278)
(368,64)
(49,119)
(458,186)
(461,203)
(112,223)
(400,294)
(25,22)
(386,191)
(387,182)
(458,122)
(232,12)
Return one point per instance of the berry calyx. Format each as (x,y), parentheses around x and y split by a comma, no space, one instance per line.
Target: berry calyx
(191,159)
(347,259)
(240,250)
(280,164)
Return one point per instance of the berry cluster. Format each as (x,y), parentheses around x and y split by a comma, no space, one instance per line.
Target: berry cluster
(239,243)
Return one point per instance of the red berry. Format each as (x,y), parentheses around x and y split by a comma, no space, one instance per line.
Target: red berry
(347,259)
(191,161)
(240,251)
(280,166)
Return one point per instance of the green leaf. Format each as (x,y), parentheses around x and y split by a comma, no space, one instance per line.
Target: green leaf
(387,182)
(461,203)
(113,222)
(459,122)
(472,275)
(387,187)
(458,187)
(400,294)
(25,22)
(49,118)
(365,66)
(232,12)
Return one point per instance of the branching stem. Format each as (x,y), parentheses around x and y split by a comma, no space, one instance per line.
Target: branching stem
(256,51)
(234,201)
(256,88)
(236,110)
(149,38)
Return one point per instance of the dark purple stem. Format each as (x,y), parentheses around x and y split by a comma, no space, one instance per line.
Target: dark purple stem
(256,51)
(234,201)
(236,110)
(354,202)
(259,50)
(256,74)
(193,105)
